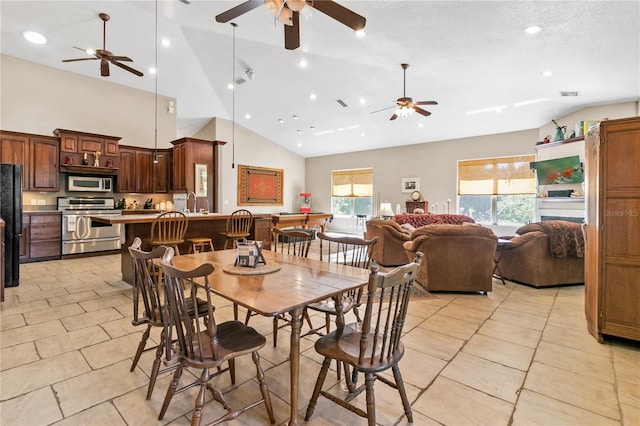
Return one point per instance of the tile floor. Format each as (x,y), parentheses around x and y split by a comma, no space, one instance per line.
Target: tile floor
(519,356)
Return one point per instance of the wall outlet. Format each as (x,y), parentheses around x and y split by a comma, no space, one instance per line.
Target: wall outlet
(41,202)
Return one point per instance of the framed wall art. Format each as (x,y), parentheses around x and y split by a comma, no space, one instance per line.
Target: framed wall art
(410,184)
(259,186)
(201,180)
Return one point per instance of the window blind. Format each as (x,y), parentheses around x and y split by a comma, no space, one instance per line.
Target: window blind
(496,176)
(352,183)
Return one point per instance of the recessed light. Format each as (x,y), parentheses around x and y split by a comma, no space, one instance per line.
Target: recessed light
(165,42)
(299,145)
(230,86)
(280,120)
(152,70)
(363,134)
(302,63)
(312,128)
(420,125)
(360,33)
(247,116)
(295,117)
(313,96)
(532,29)
(362,101)
(34,37)
(298,131)
(547,73)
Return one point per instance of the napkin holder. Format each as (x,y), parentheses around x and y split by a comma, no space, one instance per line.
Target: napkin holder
(249,254)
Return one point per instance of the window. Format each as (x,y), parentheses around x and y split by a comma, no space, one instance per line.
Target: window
(351,192)
(497,190)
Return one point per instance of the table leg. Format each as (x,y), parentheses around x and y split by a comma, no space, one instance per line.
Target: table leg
(294,355)
(496,266)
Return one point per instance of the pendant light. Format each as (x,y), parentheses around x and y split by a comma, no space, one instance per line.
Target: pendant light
(233,100)
(155,126)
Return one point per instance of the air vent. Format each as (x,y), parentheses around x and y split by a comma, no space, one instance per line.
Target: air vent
(569,93)
(239,81)
(341,102)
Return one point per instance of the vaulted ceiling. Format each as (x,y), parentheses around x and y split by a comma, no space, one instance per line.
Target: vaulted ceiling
(472,57)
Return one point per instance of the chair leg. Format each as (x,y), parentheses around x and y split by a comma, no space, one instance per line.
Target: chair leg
(369,379)
(232,370)
(246,319)
(327,322)
(156,365)
(403,393)
(171,390)
(275,331)
(263,386)
(318,387)
(196,417)
(235,312)
(141,345)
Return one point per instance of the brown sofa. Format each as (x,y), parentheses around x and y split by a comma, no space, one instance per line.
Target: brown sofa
(456,257)
(545,254)
(392,234)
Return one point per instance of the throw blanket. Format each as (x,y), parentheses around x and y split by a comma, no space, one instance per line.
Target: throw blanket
(418,220)
(565,238)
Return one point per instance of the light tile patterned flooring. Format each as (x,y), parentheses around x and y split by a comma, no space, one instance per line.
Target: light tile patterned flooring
(519,356)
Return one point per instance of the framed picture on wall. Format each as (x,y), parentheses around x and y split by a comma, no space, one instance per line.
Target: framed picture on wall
(410,184)
(259,186)
(201,180)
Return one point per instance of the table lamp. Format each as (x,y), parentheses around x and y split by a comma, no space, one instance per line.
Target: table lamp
(385,211)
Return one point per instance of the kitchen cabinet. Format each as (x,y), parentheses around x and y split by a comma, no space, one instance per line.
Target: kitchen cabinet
(412,205)
(188,152)
(612,247)
(138,172)
(74,144)
(39,156)
(41,236)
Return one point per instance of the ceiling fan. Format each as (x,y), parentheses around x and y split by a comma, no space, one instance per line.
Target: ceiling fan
(405,105)
(288,13)
(105,56)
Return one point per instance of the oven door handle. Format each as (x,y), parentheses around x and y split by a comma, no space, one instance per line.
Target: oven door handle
(84,227)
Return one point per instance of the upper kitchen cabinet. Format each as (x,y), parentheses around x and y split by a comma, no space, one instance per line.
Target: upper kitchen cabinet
(187,152)
(39,156)
(138,172)
(75,146)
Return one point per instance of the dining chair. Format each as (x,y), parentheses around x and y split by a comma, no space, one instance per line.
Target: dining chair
(345,250)
(373,346)
(168,229)
(294,242)
(205,345)
(146,287)
(238,227)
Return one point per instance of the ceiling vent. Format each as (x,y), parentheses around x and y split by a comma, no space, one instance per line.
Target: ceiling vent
(239,81)
(569,93)
(341,102)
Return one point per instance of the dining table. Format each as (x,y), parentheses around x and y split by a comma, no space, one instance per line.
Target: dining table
(283,284)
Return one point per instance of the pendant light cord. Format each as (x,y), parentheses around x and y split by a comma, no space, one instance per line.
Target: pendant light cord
(233,100)
(155,136)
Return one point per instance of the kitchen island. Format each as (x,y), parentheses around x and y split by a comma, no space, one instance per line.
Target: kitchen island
(199,225)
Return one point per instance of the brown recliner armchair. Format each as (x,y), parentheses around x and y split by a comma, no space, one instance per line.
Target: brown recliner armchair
(456,257)
(544,254)
(391,236)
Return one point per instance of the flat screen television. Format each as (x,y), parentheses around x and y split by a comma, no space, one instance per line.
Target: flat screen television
(559,170)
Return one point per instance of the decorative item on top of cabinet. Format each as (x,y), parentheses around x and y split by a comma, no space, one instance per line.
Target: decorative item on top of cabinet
(35,153)
(76,144)
(190,151)
(612,249)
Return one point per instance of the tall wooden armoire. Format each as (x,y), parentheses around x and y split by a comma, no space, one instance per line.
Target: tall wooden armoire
(612,258)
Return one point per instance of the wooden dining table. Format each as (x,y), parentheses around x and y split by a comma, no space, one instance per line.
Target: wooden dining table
(295,284)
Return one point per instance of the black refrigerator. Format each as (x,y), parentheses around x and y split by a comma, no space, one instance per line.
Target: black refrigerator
(11,213)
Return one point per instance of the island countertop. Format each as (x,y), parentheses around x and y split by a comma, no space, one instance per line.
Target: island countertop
(127,219)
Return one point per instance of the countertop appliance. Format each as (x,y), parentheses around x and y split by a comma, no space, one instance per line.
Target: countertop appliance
(82,235)
(89,184)
(11,213)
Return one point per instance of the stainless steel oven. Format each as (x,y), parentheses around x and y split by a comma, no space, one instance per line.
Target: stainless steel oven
(82,235)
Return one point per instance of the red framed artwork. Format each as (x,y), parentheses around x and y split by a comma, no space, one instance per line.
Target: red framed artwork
(259,186)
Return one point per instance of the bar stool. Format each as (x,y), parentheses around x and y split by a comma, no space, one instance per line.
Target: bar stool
(200,245)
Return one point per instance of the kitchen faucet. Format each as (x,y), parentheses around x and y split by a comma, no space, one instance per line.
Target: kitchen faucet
(195,200)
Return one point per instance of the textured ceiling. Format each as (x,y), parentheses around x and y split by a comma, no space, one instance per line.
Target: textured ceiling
(465,55)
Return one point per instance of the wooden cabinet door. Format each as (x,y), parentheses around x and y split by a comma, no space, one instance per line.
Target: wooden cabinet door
(179,167)
(68,143)
(14,149)
(110,148)
(44,164)
(90,144)
(161,173)
(143,171)
(127,171)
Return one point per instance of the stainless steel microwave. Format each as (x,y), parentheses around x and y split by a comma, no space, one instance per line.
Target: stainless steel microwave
(89,184)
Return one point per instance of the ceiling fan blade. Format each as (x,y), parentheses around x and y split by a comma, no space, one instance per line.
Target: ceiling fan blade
(121,58)
(125,67)
(394,116)
(241,9)
(79,59)
(426,103)
(104,68)
(292,32)
(339,13)
(383,109)
(421,111)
